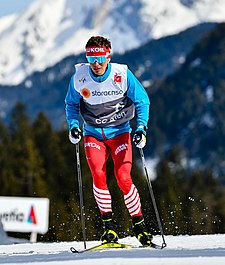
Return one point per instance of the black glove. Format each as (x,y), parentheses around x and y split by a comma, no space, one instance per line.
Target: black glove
(139,138)
(75,135)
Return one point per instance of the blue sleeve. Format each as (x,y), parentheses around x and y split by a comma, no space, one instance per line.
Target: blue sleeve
(139,96)
(72,102)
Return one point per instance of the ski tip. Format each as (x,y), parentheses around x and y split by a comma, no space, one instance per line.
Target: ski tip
(73,250)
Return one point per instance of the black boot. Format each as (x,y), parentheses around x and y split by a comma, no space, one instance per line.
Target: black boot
(141,232)
(109,235)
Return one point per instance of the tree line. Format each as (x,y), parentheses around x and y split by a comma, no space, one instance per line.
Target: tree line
(39,161)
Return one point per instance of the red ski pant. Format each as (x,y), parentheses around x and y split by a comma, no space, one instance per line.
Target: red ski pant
(97,152)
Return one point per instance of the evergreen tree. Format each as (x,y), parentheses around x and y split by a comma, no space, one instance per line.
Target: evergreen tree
(36,160)
(191,202)
(203,204)
(170,189)
(25,159)
(57,177)
(5,157)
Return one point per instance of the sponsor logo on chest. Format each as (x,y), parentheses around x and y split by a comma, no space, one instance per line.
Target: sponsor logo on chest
(117,78)
(86,93)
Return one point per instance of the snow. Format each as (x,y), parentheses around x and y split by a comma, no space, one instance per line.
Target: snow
(209,93)
(208,120)
(6,21)
(48,31)
(180,250)
(151,164)
(3,236)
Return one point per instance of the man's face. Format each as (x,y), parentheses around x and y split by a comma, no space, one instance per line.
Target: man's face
(99,68)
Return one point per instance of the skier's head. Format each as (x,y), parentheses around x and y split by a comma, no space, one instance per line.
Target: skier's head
(98,54)
(98,41)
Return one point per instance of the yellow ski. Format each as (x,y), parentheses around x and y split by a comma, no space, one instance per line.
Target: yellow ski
(115,245)
(102,246)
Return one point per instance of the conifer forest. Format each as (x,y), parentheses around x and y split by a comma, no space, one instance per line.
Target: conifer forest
(39,161)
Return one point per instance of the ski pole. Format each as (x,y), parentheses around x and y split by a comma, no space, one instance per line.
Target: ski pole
(153,197)
(81,194)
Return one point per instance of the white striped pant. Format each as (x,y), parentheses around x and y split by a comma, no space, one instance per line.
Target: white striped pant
(97,153)
(131,199)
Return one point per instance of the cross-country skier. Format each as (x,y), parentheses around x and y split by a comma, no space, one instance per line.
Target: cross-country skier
(107,95)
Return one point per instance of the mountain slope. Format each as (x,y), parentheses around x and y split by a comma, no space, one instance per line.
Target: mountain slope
(48,31)
(45,91)
(188,107)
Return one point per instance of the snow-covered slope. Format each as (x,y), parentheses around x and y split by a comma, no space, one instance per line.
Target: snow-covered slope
(49,30)
(3,236)
(6,22)
(181,250)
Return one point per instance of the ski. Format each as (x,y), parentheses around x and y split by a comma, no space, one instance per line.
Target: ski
(111,246)
(102,246)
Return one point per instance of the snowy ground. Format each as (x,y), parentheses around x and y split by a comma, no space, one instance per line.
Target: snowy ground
(181,250)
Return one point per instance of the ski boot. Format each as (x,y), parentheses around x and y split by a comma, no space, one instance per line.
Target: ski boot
(141,232)
(109,235)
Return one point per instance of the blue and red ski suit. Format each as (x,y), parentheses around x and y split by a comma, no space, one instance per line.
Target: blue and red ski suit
(106,104)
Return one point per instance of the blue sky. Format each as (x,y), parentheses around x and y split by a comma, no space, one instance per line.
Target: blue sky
(11,6)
